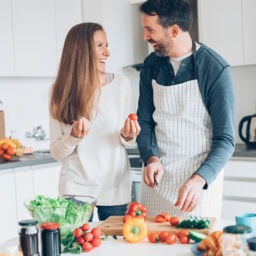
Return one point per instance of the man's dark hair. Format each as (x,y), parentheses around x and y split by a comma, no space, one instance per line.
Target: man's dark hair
(170,12)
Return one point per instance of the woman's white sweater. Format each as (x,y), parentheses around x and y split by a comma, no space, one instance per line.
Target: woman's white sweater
(98,164)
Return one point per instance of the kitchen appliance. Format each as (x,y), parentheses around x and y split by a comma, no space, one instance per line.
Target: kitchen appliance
(250,130)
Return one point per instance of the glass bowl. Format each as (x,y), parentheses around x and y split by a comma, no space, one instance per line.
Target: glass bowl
(70,211)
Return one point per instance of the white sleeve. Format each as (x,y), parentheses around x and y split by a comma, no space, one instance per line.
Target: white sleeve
(62,143)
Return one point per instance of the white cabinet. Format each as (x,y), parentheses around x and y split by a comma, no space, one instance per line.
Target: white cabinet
(32,35)
(8,222)
(46,179)
(239,188)
(227,27)
(6,39)
(24,190)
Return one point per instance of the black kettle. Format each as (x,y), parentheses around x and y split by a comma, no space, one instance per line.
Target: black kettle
(250,130)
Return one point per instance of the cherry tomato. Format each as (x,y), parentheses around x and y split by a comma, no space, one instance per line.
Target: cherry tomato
(85,227)
(80,240)
(87,246)
(88,237)
(78,232)
(163,235)
(174,221)
(184,239)
(183,236)
(133,116)
(166,215)
(127,217)
(96,232)
(171,238)
(96,241)
(153,237)
(160,218)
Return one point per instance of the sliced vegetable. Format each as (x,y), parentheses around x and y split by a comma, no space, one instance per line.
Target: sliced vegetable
(194,222)
(197,236)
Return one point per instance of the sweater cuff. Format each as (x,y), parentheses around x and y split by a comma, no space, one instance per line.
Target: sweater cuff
(70,140)
(129,143)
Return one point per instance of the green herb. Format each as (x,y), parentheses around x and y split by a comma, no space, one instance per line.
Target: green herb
(115,236)
(194,222)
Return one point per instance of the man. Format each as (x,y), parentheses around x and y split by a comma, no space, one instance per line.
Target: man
(186,113)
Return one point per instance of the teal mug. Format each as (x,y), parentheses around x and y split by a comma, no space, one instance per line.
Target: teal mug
(247,219)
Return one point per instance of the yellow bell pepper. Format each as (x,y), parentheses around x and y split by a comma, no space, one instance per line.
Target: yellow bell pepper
(135,230)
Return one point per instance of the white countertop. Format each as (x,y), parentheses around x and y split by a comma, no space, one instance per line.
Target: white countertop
(120,247)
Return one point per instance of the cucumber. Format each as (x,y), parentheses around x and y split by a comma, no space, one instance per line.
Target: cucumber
(197,236)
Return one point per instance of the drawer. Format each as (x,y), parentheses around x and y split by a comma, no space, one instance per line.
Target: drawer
(243,169)
(240,189)
(230,208)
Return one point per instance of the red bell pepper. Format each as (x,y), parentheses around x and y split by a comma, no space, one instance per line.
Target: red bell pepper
(137,209)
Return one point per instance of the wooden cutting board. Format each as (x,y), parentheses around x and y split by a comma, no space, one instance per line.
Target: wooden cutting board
(114,224)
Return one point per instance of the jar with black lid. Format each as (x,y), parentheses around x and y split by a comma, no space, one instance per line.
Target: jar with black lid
(28,235)
(234,240)
(252,246)
(50,237)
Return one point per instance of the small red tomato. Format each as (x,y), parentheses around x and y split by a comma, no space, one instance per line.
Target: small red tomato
(166,215)
(96,232)
(127,217)
(171,238)
(174,221)
(85,227)
(80,240)
(88,237)
(153,237)
(133,116)
(96,241)
(78,232)
(160,218)
(183,236)
(163,235)
(87,246)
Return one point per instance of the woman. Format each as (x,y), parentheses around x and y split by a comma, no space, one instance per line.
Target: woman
(89,125)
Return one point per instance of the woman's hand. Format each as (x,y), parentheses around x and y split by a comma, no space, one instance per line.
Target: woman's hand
(80,128)
(130,129)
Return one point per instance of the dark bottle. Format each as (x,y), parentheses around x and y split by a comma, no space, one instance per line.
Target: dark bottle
(50,237)
(28,234)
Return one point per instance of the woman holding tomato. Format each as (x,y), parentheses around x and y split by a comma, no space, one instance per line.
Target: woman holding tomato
(89,124)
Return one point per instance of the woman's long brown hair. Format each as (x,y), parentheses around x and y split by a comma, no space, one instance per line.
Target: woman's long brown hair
(76,88)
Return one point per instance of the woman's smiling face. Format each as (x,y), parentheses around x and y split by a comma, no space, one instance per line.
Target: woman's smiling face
(102,51)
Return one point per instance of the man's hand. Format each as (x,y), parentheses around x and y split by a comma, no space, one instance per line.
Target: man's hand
(153,171)
(190,193)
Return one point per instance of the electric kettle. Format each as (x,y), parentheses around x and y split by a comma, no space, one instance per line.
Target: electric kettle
(250,130)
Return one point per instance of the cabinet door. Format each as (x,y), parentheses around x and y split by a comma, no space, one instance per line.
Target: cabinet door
(65,19)
(34,37)
(220,27)
(24,190)
(8,221)
(46,179)
(6,39)
(249,21)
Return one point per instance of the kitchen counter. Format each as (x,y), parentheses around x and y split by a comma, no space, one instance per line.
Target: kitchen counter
(43,157)
(119,247)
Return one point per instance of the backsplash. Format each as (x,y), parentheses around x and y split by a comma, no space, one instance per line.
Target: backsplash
(26,101)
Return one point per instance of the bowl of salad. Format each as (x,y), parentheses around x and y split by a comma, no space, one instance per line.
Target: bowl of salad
(70,211)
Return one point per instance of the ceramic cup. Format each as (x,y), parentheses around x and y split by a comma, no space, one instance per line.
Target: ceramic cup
(247,219)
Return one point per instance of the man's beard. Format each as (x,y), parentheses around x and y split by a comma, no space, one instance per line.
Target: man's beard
(160,50)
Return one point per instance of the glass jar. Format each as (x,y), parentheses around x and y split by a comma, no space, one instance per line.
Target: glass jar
(28,234)
(234,240)
(50,237)
(252,246)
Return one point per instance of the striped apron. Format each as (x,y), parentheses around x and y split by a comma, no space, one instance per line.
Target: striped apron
(183,132)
